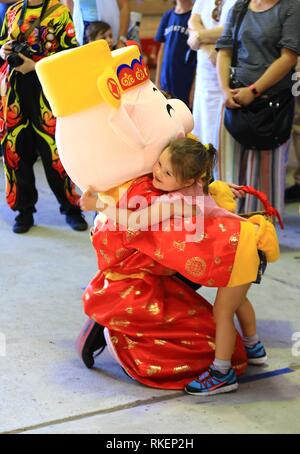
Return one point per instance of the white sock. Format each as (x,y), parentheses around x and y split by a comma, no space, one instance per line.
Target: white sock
(221,365)
(250,341)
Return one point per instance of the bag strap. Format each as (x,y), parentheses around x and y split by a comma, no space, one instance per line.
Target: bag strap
(236,32)
(37,22)
(269,209)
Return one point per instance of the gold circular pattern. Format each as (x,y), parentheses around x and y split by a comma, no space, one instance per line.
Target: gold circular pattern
(195,266)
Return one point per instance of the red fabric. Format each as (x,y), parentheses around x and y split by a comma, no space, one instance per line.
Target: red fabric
(162,331)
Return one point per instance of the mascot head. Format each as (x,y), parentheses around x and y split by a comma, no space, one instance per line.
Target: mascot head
(112,122)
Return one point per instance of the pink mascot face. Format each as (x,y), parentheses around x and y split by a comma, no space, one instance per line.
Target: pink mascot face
(112,122)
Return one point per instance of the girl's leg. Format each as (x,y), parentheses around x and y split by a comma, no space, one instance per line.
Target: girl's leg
(246,317)
(227,303)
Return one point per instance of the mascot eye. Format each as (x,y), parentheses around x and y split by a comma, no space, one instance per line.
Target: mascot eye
(169,109)
(155,89)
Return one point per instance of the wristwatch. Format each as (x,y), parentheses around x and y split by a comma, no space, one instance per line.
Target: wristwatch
(123,39)
(254,90)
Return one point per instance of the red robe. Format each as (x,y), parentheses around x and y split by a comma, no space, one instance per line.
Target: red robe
(162,331)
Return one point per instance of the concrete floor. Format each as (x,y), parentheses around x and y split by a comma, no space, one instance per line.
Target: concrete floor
(46,389)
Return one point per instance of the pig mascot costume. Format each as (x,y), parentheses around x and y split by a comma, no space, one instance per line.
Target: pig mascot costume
(112,124)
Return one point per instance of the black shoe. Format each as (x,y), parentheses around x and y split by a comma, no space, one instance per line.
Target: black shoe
(24,221)
(77,222)
(90,342)
(292,194)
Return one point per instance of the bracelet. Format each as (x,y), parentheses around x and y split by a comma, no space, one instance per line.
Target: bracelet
(123,39)
(254,90)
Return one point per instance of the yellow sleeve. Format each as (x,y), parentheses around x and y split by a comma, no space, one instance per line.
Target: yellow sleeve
(223,195)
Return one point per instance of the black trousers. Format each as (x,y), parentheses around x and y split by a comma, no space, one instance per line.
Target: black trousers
(30,131)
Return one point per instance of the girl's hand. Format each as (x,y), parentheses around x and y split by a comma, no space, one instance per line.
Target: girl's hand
(6,50)
(229,99)
(243,96)
(236,190)
(27,66)
(88,201)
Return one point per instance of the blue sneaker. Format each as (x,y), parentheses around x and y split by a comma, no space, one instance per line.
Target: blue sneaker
(213,382)
(257,354)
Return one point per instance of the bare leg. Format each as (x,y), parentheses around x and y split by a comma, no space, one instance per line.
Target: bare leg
(228,301)
(246,317)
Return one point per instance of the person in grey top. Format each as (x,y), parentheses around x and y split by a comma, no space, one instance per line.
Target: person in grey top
(268,47)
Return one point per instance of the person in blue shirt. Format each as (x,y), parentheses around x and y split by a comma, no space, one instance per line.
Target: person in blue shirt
(176,63)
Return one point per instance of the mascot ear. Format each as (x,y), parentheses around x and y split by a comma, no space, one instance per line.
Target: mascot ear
(109,88)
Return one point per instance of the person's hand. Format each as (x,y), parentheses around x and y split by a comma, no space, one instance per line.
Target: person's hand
(243,96)
(229,99)
(6,50)
(27,66)
(120,44)
(236,190)
(89,201)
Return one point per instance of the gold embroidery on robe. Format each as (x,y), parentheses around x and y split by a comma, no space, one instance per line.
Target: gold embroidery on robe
(158,254)
(234,240)
(114,340)
(126,292)
(159,342)
(218,260)
(180,245)
(195,266)
(181,369)
(115,322)
(130,343)
(153,370)
(153,308)
(222,228)
(105,256)
(138,362)
(184,342)
(120,252)
(129,310)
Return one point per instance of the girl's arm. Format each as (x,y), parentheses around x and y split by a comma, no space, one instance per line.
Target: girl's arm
(139,219)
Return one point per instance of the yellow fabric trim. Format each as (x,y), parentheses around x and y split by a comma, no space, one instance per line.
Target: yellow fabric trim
(118,192)
(266,237)
(246,261)
(112,276)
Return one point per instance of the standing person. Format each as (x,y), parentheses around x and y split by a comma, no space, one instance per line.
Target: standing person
(3,7)
(175,71)
(28,126)
(268,45)
(114,12)
(292,194)
(205,27)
